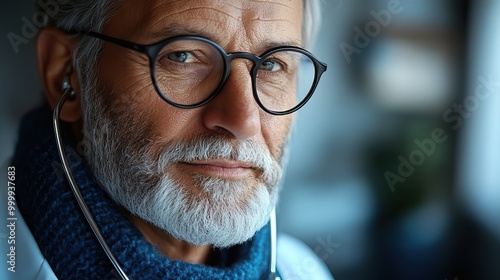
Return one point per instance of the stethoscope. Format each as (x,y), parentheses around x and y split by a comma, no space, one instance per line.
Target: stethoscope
(69,94)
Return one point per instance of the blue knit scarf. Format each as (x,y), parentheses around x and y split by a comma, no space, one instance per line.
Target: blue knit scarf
(66,240)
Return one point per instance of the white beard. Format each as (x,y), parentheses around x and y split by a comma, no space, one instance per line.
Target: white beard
(220,212)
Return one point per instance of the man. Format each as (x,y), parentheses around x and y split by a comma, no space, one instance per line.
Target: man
(183,131)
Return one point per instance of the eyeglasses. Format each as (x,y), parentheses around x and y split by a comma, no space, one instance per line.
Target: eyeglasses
(189,71)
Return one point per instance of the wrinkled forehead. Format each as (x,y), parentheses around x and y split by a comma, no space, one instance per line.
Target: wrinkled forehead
(244,24)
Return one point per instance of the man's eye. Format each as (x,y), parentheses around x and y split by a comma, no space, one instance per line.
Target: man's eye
(181,57)
(270,65)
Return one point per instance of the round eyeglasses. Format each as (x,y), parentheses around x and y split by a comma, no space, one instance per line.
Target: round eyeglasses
(189,71)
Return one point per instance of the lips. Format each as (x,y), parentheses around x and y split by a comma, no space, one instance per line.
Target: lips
(220,168)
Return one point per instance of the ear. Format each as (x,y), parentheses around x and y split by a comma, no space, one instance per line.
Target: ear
(55,62)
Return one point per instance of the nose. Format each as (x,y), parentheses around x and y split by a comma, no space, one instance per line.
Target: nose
(234,110)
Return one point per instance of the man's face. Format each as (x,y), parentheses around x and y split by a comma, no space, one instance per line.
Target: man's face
(222,160)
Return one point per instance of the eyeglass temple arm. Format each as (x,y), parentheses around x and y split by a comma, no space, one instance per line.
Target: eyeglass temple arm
(123,43)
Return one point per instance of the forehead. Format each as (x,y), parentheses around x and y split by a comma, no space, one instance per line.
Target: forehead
(231,23)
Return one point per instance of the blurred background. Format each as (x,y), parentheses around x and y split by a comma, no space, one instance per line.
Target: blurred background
(395,163)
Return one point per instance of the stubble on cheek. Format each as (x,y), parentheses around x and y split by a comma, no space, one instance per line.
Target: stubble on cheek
(280,132)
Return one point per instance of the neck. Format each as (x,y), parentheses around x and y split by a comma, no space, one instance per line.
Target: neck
(169,246)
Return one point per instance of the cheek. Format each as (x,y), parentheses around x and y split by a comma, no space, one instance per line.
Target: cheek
(275,130)
(129,94)
(124,79)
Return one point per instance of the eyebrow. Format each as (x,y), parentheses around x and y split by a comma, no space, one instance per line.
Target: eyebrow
(275,44)
(177,30)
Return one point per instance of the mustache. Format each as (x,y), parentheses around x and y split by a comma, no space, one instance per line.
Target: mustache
(215,147)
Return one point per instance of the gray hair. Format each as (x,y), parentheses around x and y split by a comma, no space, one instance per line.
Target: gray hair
(311,21)
(93,14)
(72,15)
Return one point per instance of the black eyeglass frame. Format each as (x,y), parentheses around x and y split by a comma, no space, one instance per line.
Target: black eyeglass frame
(152,51)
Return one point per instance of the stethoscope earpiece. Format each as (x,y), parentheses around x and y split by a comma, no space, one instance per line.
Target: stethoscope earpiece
(66,87)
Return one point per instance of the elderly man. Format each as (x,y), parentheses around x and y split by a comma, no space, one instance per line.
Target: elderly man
(181,111)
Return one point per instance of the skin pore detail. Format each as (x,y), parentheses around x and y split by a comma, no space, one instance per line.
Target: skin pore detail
(145,124)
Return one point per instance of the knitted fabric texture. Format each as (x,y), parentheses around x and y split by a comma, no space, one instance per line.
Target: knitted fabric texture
(66,240)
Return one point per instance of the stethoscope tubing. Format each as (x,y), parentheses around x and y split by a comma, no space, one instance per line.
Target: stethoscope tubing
(67,94)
